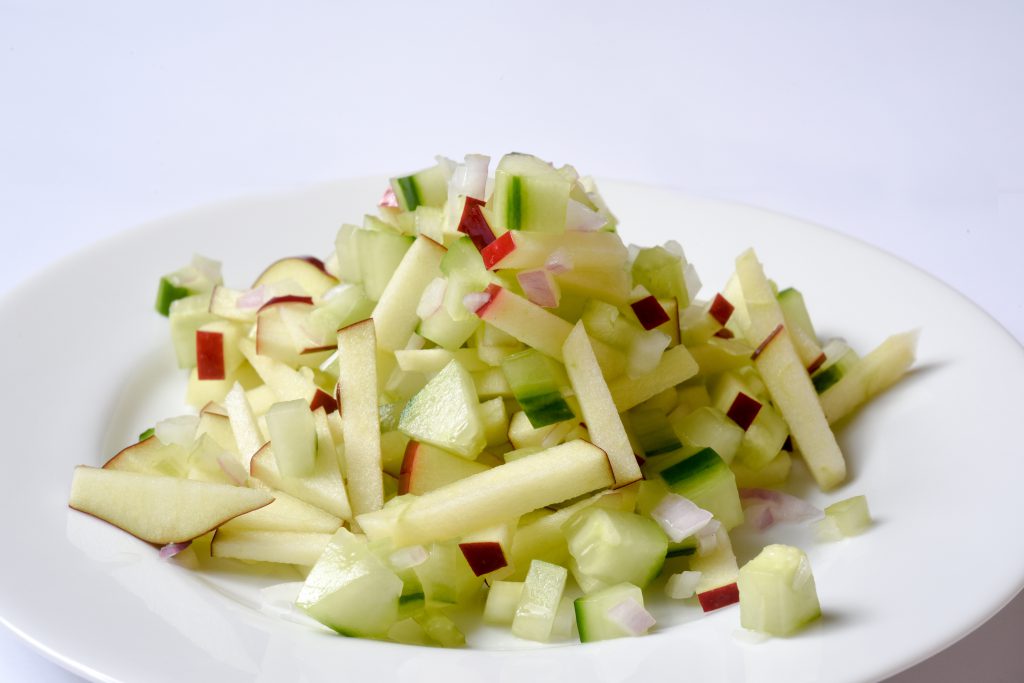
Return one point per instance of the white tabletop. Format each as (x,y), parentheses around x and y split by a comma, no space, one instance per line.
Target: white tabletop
(895,122)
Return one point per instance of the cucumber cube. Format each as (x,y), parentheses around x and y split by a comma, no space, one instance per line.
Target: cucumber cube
(445,413)
(848,517)
(350,590)
(534,379)
(611,546)
(705,479)
(592,612)
(777,593)
(538,603)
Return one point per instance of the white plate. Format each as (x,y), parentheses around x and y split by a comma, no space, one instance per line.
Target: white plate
(86,365)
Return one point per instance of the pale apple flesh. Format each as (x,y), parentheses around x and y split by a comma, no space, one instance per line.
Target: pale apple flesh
(159,509)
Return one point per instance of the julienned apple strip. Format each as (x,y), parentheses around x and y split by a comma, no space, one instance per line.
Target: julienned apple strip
(785,376)
(539,328)
(360,419)
(676,366)
(597,406)
(395,313)
(873,374)
(160,509)
(503,492)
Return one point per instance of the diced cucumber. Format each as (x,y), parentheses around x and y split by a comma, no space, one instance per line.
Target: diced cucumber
(611,546)
(464,268)
(848,517)
(529,194)
(798,322)
(186,316)
(446,577)
(773,474)
(428,187)
(199,277)
(535,382)
(653,431)
(345,304)
(538,603)
(445,413)
(349,268)
(442,629)
(709,427)
(167,293)
(445,331)
(705,479)
(350,590)
(839,358)
(592,612)
(777,592)
(665,275)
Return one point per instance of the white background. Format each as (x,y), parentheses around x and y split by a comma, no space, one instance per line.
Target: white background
(901,123)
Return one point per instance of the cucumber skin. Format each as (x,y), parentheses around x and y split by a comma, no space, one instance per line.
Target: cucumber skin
(514,203)
(545,409)
(167,293)
(408,193)
(827,377)
(701,462)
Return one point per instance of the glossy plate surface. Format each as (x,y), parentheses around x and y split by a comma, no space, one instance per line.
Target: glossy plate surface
(86,365)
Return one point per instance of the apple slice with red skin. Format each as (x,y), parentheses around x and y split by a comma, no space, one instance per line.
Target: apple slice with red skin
(160,509)
(650,312)
(150,456)
(484,557)
(716,598)
(308,271)
(426,467)
(210,354)
(743,410)
(474,224)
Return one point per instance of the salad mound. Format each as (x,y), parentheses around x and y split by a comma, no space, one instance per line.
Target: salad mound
(484,400)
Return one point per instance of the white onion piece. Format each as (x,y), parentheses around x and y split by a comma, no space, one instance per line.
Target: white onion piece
(539,287)
(765,507)
(172,549)
(581,218)
(447,166)
(330,362)
(474,300)
(560,261)
(432,298)
(679,517)
(645,351)
(674,248)
(408,557)
(692,281)
(476,175)
(388,199)
(682,585)
(179,431)
(632,617)
(707,538)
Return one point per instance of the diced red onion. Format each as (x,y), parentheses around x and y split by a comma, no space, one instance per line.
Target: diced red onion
(560,261)
(679,517)
(581,218)
(388,199)
(408,557)
(682,585)
(765,507)
(539,287)
(432,298)
(632,617)
(172,549)
(474,300)
(180,431)
(254,298)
